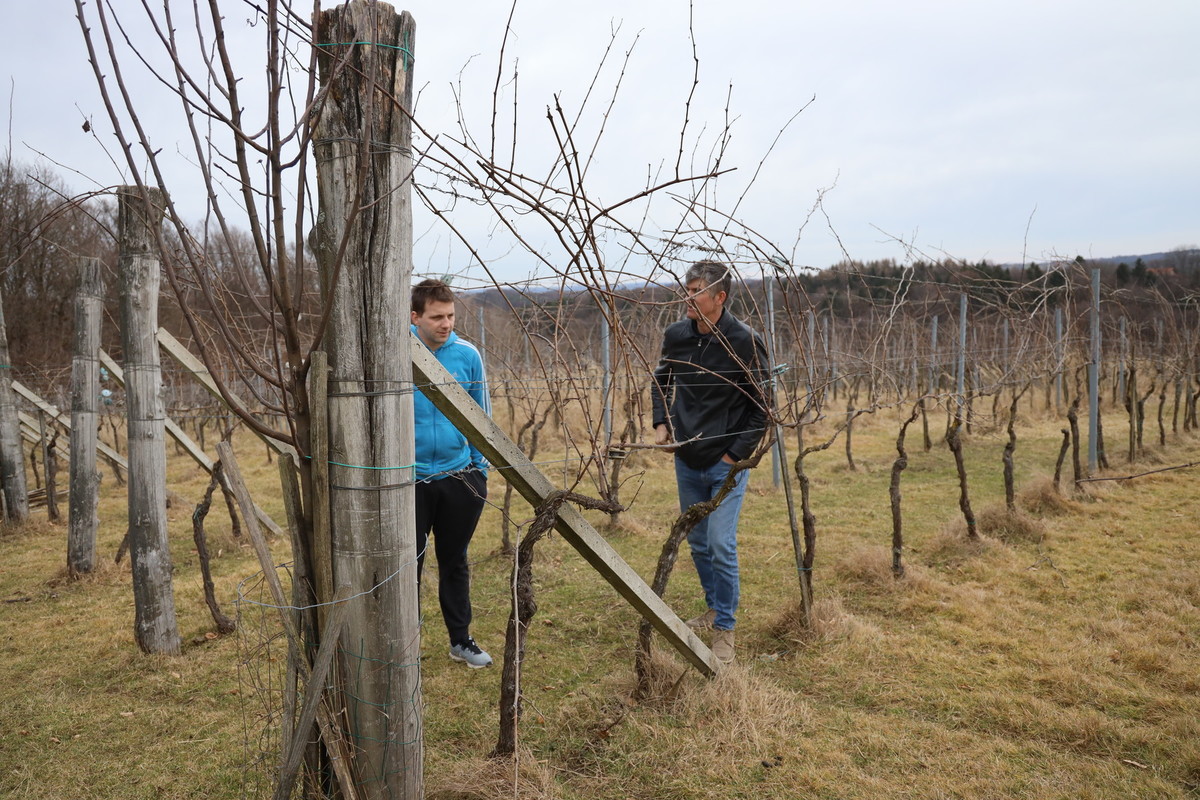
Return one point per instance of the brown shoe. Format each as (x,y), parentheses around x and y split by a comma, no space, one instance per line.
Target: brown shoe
(722,646)
(702,622)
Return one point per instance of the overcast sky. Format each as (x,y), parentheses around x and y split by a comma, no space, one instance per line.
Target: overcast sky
(998,130)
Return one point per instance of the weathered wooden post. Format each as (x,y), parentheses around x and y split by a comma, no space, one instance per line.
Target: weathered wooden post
(934,386)
(1059,358)
(139,214)
(12,452)
(606,381)
(960,383)
(826,367)
(1123,365)
(1094,379)
(914,366)
(363,242)
(832,350)
(82,517)
(777,457)
(1005,366)
(810,319)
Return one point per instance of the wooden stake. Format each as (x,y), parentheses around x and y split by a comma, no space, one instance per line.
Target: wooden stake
(140,211)
(363,246)
(83,519)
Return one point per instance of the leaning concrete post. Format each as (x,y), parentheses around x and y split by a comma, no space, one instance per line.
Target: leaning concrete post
(139,214)
(12,452)
(82,517)
(363,242)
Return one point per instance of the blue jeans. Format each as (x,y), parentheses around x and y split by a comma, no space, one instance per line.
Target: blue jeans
(713,541)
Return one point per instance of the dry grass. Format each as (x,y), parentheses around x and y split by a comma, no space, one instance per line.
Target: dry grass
(1041,499)
(1012,527)
(951,547)
(473,777)
(1065,669)
(830,622)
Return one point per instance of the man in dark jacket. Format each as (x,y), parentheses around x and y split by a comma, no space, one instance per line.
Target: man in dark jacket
(709,396)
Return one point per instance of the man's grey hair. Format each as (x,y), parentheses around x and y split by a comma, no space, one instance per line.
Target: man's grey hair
(715,276)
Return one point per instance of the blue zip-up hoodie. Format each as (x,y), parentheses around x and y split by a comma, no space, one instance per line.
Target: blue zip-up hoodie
(441,448)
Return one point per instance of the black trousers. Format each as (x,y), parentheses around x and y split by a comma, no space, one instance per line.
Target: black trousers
(449,508)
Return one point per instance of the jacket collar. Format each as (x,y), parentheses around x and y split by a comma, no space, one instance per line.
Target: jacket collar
(723,323)
(416,335)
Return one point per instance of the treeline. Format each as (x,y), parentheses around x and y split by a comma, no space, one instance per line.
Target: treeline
(852,286)
(45,233)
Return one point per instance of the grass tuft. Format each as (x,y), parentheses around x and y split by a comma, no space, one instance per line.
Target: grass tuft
(740,708)
(831,622)
(665,679)
(951,547)
(1040,498)
(1012,527)
(476,778)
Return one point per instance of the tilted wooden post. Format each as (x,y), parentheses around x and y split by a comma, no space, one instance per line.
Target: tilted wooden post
(139,213)
(508,460)
(176,432)
(364,221)
(12,452)
(82,517)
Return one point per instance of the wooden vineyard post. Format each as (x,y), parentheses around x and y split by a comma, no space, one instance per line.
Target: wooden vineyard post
(363,247)
(933,383)
(960,391)
(1059,357)
(12,452)
(82,516)
(139,212)
(1094,379)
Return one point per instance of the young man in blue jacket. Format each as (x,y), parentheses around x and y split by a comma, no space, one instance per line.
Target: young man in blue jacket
(451,474)
(708,395)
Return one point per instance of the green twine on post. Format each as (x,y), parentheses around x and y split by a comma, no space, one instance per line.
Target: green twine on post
(359,466)
(403,48)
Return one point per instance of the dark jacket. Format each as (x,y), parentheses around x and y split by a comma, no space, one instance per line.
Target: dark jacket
(715,386)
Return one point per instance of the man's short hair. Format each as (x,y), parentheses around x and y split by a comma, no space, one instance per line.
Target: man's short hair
(430,290)
(715,276)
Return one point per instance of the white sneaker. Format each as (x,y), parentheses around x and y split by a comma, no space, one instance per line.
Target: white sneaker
(469,652)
